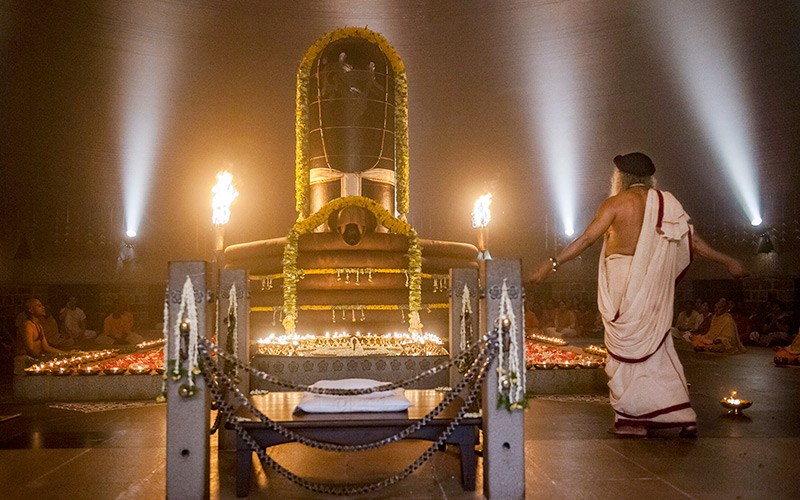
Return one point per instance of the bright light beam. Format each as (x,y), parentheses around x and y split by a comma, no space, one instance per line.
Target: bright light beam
(700,53)
(557,116)
(146,85)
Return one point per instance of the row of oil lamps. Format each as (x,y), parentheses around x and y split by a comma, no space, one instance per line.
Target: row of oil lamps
(150,343)
(93,369)
(546,340)
(69,363)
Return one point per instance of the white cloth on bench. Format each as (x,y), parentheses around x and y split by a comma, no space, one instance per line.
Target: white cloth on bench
(383,401)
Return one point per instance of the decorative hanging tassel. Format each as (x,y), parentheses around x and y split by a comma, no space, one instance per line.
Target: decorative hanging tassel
(233,315)
(466,313)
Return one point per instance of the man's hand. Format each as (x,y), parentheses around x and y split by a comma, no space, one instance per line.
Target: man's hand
(542,272)
(737,270)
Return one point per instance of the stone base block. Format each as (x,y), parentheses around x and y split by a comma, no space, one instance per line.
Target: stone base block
(86,387)
(572,381)
(307,370)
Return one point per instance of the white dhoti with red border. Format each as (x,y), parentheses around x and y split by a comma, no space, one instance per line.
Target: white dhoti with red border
(635,297)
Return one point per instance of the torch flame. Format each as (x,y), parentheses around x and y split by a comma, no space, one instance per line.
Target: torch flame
(481,215)
(224,194)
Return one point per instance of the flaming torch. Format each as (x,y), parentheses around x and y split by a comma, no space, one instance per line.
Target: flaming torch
(481,215)
(224,194)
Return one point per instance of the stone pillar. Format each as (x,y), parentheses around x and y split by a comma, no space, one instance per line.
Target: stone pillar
(241,279)
(188,460)
(503,431)
(458,279)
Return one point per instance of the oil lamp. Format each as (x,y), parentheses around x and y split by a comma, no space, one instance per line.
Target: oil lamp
(734,404)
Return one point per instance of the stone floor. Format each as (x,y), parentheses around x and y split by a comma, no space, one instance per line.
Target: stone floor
(56,453)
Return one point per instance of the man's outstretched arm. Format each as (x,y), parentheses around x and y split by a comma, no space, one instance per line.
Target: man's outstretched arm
(598,227)
(703,249)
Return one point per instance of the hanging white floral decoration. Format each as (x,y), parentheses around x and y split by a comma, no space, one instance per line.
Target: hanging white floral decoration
(510,376)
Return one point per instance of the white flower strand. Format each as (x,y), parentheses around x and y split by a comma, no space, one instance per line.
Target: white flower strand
(233,312)
(466,312)
(516,391)
(165,332)
(188,313)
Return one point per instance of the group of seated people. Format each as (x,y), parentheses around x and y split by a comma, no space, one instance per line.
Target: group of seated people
(563,318)
(40,334)
(729,328)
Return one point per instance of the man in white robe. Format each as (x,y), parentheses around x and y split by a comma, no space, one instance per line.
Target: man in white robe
(647,247)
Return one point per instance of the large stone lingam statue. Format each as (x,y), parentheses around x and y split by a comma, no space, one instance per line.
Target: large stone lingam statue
(351,261)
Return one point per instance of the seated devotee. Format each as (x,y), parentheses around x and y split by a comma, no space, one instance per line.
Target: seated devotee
(118,328)
(587,320)
(775,331)
(73,321)
(688,320)
(548,318)
(705,319)
(742,320)
(789,355)
(531,322)
(565,322)
(722,335)
(31,340)
(55,337)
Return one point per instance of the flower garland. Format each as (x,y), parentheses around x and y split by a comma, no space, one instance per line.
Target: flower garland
(302,116)
(291,273)
(186,318)
(165,331)
(510,377)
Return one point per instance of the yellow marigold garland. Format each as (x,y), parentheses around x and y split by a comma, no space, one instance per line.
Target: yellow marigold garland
(291,273)
(401,116)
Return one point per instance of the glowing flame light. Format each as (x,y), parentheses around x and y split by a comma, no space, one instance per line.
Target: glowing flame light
(481,215)
(224,194)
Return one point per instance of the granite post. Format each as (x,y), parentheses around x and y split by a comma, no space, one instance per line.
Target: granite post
(188,461)
(503,431)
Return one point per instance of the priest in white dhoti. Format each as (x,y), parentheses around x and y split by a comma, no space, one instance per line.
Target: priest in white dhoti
(648,244)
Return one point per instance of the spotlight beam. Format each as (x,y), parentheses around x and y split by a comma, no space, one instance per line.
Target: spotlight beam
(557,122)
(698,47)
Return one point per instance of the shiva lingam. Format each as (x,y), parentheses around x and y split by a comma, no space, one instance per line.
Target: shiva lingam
(734,404)
(351,256)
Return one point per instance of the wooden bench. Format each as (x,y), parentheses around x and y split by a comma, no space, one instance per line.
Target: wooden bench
(356,428)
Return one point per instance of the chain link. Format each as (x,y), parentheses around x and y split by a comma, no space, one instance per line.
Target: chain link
(260,451)
(293,436)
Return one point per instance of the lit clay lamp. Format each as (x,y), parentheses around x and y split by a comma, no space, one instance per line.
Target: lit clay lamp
(735,405)
(139,369)
(89,370)
(114,370)
(36,370)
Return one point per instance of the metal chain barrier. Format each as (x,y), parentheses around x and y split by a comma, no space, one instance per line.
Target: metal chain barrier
(490,352)
(217,376)
(342,392)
